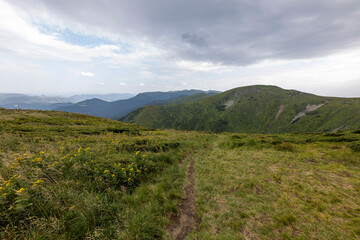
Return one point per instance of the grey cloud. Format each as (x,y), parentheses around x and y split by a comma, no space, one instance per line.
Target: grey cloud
(194,40)
(232,32)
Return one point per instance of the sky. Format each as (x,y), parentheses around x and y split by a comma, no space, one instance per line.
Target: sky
(53,47)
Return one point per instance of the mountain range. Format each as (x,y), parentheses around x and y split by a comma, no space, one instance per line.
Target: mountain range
(254,109)
(120,108)
(22,101)
(250,109)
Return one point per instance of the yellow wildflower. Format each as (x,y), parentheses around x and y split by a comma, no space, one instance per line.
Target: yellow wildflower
(56,162)
(11,207)
(137,152)
(106,171)
(42,152)
(7,183)
(71,208)
(21,190)
(79,150)
(38,160)
(37,182)
(138,170)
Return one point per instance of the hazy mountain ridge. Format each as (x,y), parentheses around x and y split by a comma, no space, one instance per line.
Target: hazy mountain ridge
(255,109)
(118,109)
(106,97)
(23,101)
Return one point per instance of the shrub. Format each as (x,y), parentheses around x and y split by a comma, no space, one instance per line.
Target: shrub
(339,139)
(285,146)
(355,146)
(334,134)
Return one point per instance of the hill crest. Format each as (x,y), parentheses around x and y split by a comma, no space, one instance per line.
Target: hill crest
(255,109)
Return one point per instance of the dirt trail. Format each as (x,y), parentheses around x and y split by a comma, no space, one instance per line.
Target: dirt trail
(186,220)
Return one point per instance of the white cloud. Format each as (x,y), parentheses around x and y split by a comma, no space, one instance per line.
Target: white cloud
(147,74)
(336,75)
(87,74)
(101,83)
(31,44)
(18,35)
(199,66)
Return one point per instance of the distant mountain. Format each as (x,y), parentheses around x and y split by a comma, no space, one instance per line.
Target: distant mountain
(254,109)
(118,109)
(107,97)
(14,100)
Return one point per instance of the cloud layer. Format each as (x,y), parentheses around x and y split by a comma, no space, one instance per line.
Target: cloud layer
(51,46)
(232,32)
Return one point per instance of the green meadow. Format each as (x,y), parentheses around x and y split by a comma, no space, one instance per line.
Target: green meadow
(72,176)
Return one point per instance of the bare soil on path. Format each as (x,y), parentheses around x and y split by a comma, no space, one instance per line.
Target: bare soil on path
(186,220)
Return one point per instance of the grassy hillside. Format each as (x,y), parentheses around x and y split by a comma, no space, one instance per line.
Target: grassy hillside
(255,109)
(71,176)
(279,187)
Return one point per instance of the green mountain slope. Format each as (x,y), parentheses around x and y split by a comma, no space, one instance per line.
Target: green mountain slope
(255,109)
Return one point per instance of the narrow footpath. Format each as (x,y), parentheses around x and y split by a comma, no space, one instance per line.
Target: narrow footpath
(186,220)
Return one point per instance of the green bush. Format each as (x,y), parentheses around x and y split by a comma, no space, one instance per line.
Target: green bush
(285,146)
(355,146)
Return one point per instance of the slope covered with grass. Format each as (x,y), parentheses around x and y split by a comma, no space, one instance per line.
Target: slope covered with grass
(279,187)
(72,176)
(255,109)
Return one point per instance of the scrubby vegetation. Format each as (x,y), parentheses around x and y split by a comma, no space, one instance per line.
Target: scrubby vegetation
(68,176)
(71,176)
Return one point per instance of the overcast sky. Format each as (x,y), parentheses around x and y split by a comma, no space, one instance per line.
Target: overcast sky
(65,47)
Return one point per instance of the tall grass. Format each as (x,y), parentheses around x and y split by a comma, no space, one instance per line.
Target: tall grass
(99,179)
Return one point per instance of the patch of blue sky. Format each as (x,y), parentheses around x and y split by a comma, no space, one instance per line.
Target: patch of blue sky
(85,40)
